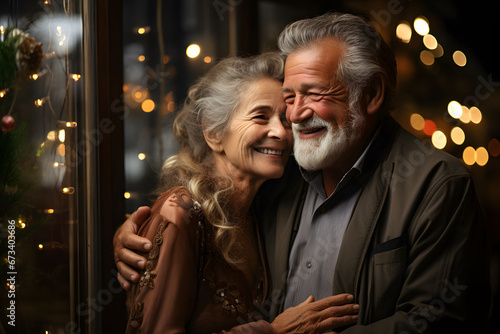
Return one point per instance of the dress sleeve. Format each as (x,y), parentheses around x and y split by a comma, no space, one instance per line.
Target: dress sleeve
(166,294)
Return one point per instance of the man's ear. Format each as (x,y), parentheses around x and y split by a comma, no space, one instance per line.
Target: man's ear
(214,141)
(375,95)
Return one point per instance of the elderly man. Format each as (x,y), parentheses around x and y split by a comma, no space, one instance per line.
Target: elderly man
(372,210)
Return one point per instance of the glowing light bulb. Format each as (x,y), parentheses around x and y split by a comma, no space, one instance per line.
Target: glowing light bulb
(421,26)
(403,32)
(193,51)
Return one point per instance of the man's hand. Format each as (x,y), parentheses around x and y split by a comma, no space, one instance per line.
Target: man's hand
(125,243)
(317,317)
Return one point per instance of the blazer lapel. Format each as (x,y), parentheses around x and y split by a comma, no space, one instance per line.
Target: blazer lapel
(376,180)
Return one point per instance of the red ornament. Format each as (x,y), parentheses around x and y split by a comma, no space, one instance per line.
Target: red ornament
(8,123)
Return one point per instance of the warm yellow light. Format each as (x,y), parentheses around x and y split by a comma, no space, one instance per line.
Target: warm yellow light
(2,30)
(40,246)
(207,60)
(403,32)
(62,135)
(482,156)
(465,118)
(475,115)
(126,195)
(427,57)
(438,51)
(59,164)
(49,211)
(439,139)
(469,155)
(166,59)
(71,124)
(421,26)
(138,94)
(141,31)
(193,51)
(22,225)
(430,42)
(417,122)
(455,109)
(39,102)
(76,77)
(141,58)
(171,106)
(148,105)
(68,190)
(457,135)
(61,150)
(34,76)
(141,156)
(2,93)
(52,135)
(459,58)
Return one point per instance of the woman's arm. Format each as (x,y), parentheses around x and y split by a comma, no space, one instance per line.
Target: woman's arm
(166,293)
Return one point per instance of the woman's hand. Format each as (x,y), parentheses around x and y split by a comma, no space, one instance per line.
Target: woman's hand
(317,316)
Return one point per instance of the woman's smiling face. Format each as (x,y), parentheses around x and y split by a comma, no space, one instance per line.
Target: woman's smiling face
(258,140)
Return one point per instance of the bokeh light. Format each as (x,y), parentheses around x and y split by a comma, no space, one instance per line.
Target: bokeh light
(494,147)
(148,105)
(141,156)
(439,139)
(429,127)
(403,32)
(459,58)
(457,135)
(455,109)
(193,51)
(482,156)
(469,156)
(475,115)
(430,42)
(417,122)
(426,57)
(421,26)
(465,117)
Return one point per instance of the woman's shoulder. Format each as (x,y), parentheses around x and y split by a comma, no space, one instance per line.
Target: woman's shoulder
(175,206)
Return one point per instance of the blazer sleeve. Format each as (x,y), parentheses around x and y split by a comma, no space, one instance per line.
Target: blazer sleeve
(166,294)
(446,287)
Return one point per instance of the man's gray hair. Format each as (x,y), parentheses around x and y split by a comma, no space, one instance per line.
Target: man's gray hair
(366,54)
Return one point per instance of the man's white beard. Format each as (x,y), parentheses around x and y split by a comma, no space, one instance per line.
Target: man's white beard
(321,152)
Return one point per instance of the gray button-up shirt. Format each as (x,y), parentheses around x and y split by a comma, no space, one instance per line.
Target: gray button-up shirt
(322,226)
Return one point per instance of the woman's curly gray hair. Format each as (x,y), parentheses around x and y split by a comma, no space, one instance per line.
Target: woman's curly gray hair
(208,108)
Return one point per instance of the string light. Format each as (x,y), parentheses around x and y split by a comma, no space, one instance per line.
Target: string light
(76,77)
(3,93)
(126,195)
(40,102)
(40,246)
(68,190)
(62,135)
(141,156)
(193,51)
(2,32)
(52,135)
(421,26)
(67,124)
(59,164)
(49,211)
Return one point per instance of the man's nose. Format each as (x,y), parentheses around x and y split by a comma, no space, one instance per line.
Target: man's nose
(299,110)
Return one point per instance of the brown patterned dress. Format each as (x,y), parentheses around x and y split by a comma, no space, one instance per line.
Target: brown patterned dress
(187,287)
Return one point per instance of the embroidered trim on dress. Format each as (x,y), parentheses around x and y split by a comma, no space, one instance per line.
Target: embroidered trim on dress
(149,275)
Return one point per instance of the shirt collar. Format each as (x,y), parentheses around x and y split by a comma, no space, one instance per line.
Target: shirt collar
(315,178)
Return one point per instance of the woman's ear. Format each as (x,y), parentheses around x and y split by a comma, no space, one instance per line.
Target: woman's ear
(375,95)
(213,141)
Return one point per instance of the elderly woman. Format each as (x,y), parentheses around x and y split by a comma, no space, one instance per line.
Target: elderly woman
(206,271)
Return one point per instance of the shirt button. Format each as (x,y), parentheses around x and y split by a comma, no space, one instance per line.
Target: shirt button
(309,264)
